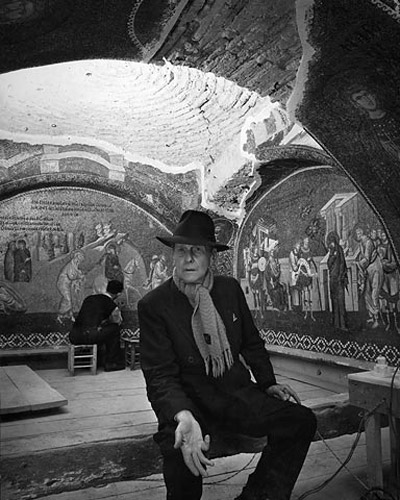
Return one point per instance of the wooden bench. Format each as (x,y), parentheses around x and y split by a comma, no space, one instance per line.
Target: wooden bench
(36,358)
(6,354)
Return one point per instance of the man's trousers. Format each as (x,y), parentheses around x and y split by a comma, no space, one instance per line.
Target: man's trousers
(290,429)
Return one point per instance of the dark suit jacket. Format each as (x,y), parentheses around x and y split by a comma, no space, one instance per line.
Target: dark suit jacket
(173,367)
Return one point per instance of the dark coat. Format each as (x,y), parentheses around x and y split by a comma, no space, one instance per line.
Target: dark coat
(173,367)
(94,311)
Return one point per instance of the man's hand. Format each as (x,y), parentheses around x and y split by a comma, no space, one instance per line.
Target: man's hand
(189,438)
(282,391)
(116,316)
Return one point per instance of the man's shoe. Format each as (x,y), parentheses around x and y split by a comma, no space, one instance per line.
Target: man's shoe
(113,367)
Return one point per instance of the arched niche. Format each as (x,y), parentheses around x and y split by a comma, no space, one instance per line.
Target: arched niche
(61,242)
(306,205)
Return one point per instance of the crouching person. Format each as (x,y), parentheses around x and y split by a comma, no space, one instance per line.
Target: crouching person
(98,322)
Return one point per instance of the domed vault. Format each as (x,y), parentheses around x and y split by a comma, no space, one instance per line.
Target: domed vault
(178,85)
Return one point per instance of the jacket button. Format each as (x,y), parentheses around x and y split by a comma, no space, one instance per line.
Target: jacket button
(190,359)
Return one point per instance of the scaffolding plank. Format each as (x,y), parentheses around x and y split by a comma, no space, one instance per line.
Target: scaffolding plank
(24,390)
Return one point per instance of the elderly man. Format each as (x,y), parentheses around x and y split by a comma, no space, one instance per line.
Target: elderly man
(193,328)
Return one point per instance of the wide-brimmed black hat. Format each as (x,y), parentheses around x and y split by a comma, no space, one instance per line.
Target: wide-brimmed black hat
(194,228)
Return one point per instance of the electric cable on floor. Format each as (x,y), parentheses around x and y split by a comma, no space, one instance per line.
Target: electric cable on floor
(340,461)
(371,493)
(347,459)
(233,474)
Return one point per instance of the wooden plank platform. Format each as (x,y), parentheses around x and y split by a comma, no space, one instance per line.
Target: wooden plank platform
(229,474)
(103,435)
(111,405)
(23,390)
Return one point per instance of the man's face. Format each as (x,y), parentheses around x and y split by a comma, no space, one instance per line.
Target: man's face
(191,262)
(359,234)
(364,99)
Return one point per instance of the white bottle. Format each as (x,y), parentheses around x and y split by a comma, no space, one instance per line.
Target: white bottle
(381,366)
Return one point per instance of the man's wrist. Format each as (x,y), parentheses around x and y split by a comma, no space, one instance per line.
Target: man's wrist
(183,415)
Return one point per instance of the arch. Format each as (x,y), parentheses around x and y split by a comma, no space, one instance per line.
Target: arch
(100,184)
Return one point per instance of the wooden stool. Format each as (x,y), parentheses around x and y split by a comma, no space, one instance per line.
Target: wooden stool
(131,343)
(82,356)
(130,353)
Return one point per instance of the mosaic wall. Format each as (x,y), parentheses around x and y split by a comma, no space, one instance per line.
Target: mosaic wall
(318,270)
(58,245)
(348,95)
(313,260)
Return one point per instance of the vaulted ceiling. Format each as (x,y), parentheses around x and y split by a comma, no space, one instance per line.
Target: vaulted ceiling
(176,84)
(253,43)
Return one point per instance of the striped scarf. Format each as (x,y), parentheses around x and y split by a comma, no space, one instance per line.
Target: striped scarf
(208,328)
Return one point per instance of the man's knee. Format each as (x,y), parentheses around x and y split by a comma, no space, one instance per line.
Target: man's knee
(295,422)
(307,421)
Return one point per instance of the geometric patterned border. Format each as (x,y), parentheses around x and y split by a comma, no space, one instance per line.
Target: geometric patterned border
(349,348)
(33,340)
(40,340)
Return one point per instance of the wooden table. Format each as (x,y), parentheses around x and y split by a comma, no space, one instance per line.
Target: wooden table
(22,390)
(375,394)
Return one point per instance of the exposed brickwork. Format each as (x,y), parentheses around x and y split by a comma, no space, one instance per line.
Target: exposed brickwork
(254,44)
(251,42)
